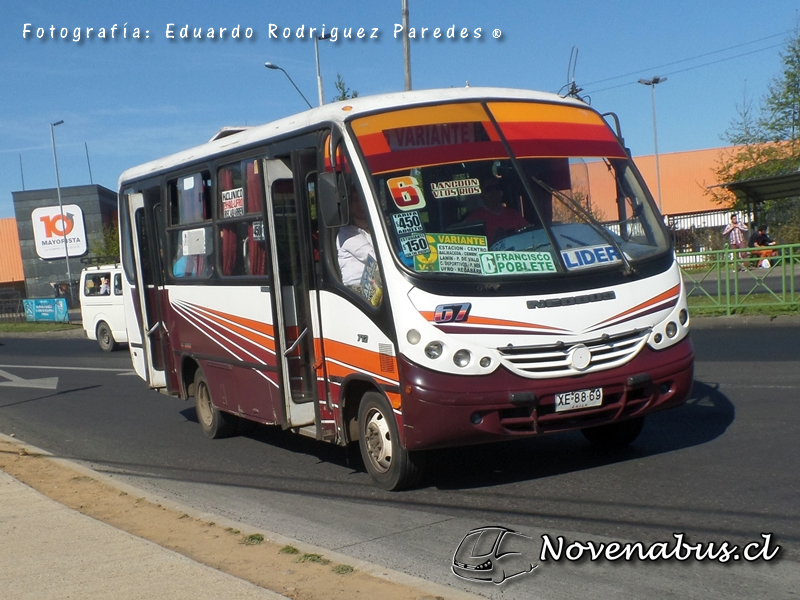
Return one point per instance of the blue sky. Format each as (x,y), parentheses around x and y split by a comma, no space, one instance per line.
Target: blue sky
(132,100)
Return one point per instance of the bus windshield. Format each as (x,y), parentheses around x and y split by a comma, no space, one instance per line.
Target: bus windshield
(507,189)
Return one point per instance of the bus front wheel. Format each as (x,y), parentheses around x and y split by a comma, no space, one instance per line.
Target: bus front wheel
(388,463)
(215,423)
(614,435)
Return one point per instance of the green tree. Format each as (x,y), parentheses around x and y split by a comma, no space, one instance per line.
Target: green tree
(780,113)
(765,142)
(107,244)
(344,91)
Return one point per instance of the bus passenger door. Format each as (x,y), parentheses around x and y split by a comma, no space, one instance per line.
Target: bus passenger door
(291,275)
(142,310)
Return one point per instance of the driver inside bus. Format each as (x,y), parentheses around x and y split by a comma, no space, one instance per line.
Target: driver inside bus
(499,220)
(354,243)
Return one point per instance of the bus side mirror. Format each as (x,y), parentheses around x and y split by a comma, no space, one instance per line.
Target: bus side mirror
(333,199)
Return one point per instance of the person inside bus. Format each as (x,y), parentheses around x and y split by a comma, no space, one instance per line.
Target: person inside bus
(499,220)
(105,288)
(354,244)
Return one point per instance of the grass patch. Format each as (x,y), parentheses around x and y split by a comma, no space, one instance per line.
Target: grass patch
(253,539)
(26,327)
(289,550)
(233,531)
(758,304)
(342,569)
(312,558)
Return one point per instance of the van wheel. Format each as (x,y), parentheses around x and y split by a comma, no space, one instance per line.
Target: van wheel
(614,435)
(104,337)
(388,463)
(215,423)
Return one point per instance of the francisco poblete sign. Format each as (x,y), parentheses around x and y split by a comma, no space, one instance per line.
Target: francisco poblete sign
(50,228)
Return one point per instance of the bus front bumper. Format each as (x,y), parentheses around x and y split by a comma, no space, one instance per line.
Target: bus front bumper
(441,410)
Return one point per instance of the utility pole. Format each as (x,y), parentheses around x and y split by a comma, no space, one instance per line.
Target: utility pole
(406,46)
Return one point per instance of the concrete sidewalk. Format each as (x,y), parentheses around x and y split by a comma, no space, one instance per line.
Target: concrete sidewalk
(48,551)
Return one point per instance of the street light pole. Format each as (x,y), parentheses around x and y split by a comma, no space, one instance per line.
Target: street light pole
(270,65)
(406,46)
(317,39)
(61,209)
(652,83)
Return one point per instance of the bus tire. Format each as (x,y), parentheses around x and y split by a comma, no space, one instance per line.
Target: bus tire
(614,435)
(105,339)
(215,423)
(388,463)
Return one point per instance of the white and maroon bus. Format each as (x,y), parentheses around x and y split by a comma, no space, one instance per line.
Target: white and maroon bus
(515,277)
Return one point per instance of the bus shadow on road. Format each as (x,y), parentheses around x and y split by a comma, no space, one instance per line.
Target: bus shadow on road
(706,415)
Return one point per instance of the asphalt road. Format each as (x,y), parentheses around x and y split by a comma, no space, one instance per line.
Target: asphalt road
(723,468)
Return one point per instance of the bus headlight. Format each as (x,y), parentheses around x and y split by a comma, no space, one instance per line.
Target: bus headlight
(434,350)
(672,329)
(486,361)
(683,316)
(462,357)
(413,337)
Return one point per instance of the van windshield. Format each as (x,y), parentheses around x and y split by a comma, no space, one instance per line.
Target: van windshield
(507,189)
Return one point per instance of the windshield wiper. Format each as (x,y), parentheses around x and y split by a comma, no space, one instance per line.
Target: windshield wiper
(580,211)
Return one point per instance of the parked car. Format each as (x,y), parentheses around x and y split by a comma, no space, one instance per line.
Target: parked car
(102,311)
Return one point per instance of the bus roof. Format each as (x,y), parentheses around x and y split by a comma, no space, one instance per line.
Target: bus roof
(333,112)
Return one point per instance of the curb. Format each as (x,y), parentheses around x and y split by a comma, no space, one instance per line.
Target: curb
(423,586)
(77,333)
(744,321)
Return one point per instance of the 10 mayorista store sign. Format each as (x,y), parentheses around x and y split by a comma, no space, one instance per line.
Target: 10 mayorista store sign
(52,226)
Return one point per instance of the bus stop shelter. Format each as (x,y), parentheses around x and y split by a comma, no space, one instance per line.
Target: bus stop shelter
(754,192)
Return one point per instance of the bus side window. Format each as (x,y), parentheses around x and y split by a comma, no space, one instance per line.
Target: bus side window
(242,245)
(191,243)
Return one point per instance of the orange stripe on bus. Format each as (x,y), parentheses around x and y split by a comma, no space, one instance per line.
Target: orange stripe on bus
(476,320)
(670,293)
(361,358)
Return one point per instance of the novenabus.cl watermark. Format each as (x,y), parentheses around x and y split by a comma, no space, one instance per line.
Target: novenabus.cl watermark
(495,554)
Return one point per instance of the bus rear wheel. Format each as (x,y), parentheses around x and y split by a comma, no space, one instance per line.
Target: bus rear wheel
(388,463)
(105,338)
(614,435)
(215,423)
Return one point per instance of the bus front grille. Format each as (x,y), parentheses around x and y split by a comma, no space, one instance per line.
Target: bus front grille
(556,360)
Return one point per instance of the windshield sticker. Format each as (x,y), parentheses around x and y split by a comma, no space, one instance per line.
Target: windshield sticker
(414,245)
(457,187)
(258,231)
(406,223)
(233,203)
(407,195)
(425,136)
(193,242)
(582,258)
(505,263)
(451,253)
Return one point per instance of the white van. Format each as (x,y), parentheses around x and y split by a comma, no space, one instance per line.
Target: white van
(101,306)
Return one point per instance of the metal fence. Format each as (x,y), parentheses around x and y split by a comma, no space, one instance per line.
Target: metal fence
(729,281)
(11,305)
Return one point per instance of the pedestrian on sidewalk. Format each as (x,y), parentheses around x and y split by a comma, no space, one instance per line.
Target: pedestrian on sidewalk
(736,232)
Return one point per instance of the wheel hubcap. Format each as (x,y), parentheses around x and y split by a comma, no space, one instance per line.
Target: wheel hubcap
(378,439)
(204,405)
